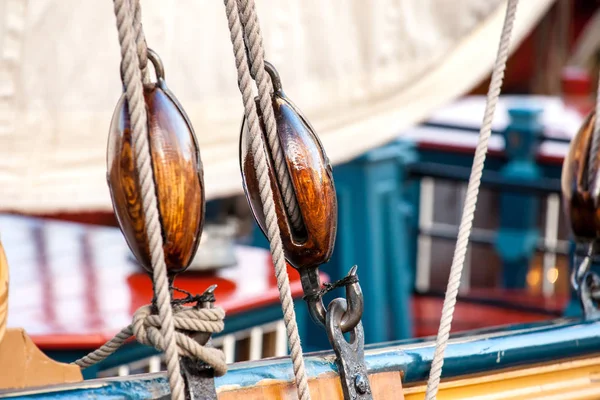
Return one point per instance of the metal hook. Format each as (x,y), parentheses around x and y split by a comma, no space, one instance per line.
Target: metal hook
(356,304)
(314,298)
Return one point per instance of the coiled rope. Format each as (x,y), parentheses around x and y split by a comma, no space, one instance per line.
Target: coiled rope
(466,222)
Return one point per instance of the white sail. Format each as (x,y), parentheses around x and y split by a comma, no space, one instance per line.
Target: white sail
(361,71)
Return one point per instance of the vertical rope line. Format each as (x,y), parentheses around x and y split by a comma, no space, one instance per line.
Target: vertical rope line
(257,146)
(466,223)
(140,39)
(132,80)
(251,30)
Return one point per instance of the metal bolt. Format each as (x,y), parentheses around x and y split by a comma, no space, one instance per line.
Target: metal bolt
(360,383)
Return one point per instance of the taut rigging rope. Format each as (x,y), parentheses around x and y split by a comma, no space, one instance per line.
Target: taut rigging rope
(258,148)
(132,80)
(466,223)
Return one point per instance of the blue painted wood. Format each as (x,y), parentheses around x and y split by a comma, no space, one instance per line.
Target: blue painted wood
(518,234)
(373,234)
(481,351)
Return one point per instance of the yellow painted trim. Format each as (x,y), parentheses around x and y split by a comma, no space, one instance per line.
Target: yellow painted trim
(573,379)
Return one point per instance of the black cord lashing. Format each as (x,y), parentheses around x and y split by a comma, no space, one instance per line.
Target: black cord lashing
(189,298)
(328,287)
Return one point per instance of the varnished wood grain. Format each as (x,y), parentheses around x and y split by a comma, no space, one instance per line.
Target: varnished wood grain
(3,292)
(178,177)
(384,386)
(579,206)
(312,179)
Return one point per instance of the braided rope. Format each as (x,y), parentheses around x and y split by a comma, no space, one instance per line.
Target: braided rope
(466,223)
(146,329)
(132,80)
(257,147)
(251,29)
(140,39)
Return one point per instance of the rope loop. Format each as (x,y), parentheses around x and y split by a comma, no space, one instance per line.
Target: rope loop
(187,320)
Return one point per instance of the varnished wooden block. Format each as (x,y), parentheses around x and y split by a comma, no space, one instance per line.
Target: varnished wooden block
(577,195)
(178,178)
(312,180)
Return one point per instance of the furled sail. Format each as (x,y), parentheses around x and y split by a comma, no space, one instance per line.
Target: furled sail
(360,72)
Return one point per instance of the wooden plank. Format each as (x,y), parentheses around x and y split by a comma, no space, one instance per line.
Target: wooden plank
(327,386)
(571,379)
(23,365)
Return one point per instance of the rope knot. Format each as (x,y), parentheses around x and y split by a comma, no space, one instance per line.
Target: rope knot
(187,321)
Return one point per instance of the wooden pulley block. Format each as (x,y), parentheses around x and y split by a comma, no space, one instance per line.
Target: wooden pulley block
(178,176)
(578,199)
(311,177)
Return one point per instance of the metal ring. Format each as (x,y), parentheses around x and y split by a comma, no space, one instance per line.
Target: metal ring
(275,78)
(159,69)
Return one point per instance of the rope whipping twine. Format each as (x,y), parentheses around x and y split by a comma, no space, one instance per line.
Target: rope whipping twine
(468,214)
(257,147)
(149,328)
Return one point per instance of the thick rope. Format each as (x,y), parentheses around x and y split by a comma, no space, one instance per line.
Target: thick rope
(140,39)
(146,329)
(254,43)
(466,223)
(132,80)
(257,147)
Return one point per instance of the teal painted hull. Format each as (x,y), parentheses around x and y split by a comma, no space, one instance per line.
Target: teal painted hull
(482,351)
